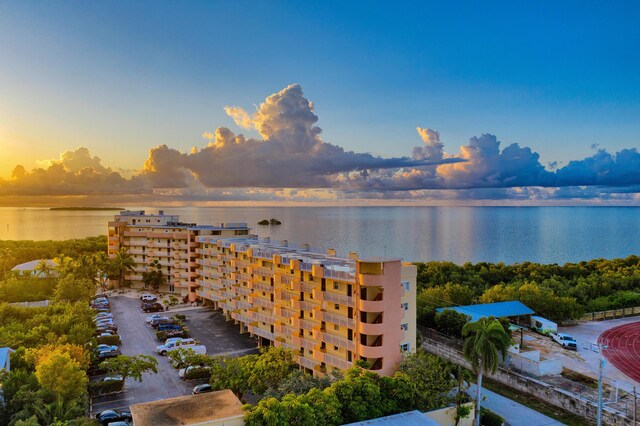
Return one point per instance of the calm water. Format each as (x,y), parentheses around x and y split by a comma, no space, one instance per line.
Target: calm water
(458,234)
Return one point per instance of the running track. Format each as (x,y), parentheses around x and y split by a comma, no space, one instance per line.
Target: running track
(623,348)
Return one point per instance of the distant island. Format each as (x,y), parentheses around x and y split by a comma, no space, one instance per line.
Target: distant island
(86,208)
(271,221)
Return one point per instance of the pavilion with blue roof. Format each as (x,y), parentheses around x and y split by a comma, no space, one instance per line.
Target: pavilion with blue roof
(5,359)
(497,310)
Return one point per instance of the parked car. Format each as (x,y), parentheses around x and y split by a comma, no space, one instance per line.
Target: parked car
(103,315)
(168,327)
(106,329)
(107,416)
(114,378)
(106,323)
(152,317)
(105,309)
(109,353)
(148,297)
(160,321)
(565,340)
(104,347)
(182,343)
(203,388)
(176,333)
(183,371)
(101,296)
(153,307)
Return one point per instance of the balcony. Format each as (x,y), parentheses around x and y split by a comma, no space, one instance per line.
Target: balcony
(334,361)
(261,332)
(371,305)
(338,319)
(372,351)
(243,291)
(307,286)
(374,329)
(308,362)
(341,299)
(307,343)
(266,272)
(371,280)
(262,286)
(340,342)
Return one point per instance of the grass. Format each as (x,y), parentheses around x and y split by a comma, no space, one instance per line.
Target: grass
(534,403)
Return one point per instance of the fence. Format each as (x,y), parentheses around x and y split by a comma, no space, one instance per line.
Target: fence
(612,314)
(38,304)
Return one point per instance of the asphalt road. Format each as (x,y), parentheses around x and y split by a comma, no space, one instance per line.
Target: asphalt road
(138,338)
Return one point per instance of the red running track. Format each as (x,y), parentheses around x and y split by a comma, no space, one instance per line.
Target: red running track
(623,349)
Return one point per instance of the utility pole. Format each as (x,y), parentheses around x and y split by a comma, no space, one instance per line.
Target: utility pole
(635,405)
(602,364)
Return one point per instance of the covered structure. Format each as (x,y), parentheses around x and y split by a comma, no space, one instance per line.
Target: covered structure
(32,267)
(410,418)
(214,408)
(497,310)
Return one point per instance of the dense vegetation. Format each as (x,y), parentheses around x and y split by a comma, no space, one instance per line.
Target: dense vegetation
(48,379)
(557,292)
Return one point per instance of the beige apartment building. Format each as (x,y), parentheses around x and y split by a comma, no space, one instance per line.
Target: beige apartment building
(332,310)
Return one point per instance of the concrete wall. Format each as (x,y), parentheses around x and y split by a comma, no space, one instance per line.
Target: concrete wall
(543,391)
(447,416)
(529,362)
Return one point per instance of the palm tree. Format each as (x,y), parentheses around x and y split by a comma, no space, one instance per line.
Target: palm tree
(122,262)
(7,259)
(44,269)
(485,341)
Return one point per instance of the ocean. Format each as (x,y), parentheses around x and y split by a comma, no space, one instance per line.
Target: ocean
(456,234)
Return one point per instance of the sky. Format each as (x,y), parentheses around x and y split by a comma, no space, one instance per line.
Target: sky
(340,101)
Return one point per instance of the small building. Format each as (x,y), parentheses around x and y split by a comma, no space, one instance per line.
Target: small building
(31,268)
(410,418)
(221,408)
(5,358)
(512,309)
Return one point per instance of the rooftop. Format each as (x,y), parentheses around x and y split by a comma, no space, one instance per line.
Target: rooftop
(4,356)
(32,265)
(497,310)
(188,410)
(410,418)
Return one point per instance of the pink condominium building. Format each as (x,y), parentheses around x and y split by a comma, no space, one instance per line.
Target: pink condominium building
(332,310)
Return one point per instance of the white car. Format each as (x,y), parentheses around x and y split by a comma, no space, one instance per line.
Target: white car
(179,344)
(148,297)
(565,340)
(154,317)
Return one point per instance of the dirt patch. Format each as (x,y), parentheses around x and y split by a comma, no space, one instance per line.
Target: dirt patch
(546,345)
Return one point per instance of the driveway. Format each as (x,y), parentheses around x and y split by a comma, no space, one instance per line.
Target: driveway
(138,338)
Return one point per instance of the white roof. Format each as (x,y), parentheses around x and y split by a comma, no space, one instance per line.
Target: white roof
(32,265)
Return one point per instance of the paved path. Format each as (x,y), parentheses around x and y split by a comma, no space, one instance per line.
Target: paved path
(514,413)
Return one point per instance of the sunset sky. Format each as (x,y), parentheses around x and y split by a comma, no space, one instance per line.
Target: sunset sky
(111,102)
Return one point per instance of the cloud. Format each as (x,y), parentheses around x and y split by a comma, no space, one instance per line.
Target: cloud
(74,173)
(290,154)
(291,161)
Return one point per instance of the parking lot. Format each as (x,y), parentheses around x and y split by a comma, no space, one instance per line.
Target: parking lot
(220,338)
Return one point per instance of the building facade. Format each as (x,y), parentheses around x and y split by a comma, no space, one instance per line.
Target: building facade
(331,310)
(163,238)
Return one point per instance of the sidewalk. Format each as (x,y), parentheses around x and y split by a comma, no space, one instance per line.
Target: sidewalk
(514,413)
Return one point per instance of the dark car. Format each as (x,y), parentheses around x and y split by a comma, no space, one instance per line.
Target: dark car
(204,388)
(152,307)
(175,333)
(168,327)
(161,321)
(100,330)
(107,416)
(102,355)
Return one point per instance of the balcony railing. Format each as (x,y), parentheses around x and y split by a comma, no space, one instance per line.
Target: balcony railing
(262,286)
(262,333)
(339,319)
(266,272)
(257,316)
(334,361)
(341,342)
(308,362)
(341,299)
(339,275)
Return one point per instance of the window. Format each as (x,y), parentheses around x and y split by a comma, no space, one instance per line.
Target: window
(171,288)
(405,347)
(337,307)
(336,286)
(335,348)
(406,285)
(336,327)
(405,306)
(404,326)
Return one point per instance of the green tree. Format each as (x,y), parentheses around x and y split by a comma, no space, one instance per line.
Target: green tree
(233,373)
(131,366)
(359,395)
(271,368)
(44,269)
(485,342)
(103,269)
(7,260)
(121,263)
(62,376)
(153,277)
(451,322)
(428,380)
(74,289)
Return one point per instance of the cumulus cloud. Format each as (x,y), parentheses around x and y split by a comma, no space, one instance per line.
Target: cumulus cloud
(291,161)
(74,173)
(289,154)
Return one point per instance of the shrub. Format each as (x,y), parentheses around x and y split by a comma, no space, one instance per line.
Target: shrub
(489,418)
(104,388)
(109,340)
(180,317)
(451,322)
(198,373)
